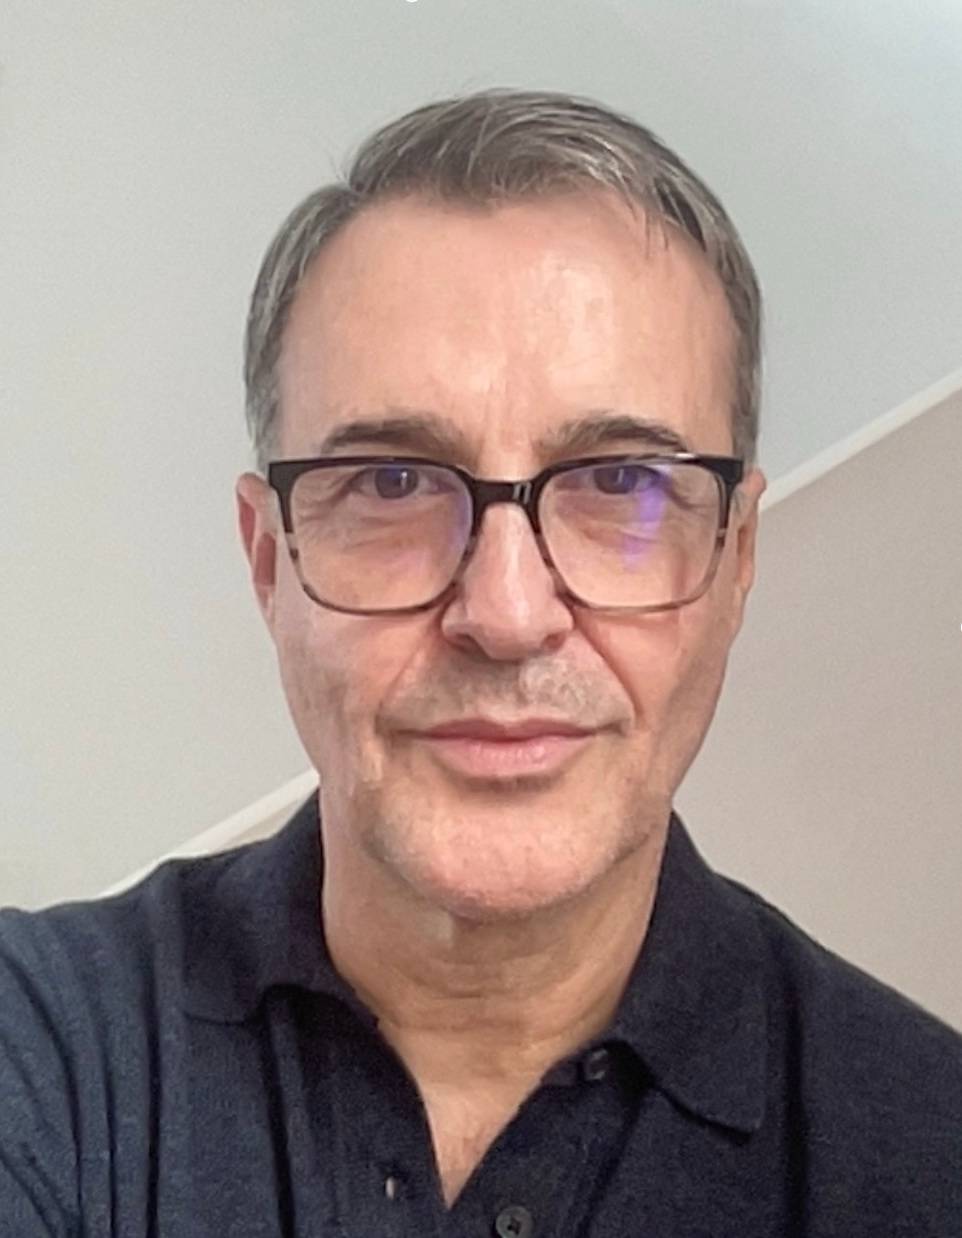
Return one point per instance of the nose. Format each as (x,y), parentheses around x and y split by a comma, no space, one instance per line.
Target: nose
(509,601)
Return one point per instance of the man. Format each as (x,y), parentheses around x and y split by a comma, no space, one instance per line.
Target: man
(502,387)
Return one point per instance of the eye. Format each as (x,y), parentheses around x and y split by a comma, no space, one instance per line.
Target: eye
(393,481)
(624,478)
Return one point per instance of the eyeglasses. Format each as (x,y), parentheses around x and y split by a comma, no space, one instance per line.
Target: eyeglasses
(372,535)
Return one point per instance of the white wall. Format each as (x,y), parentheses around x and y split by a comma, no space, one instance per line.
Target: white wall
(149,149)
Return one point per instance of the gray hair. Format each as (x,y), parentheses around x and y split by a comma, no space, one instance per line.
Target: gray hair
(494,146)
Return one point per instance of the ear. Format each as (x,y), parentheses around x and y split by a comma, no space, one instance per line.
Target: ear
(256,518)
(745,519)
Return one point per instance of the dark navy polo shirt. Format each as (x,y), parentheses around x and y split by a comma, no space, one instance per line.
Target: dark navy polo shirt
(183,1061)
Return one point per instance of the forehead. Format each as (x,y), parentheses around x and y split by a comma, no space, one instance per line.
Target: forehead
(506,322)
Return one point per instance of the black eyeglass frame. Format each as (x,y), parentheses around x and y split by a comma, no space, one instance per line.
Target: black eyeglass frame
(728,471)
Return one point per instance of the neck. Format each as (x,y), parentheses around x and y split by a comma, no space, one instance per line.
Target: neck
(493,1002)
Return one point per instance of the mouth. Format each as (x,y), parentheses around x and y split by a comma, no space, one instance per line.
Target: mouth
(481,749)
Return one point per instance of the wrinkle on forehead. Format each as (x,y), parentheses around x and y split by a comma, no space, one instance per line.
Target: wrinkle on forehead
(507,320)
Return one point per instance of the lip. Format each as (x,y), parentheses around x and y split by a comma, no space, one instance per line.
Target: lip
(478,749)
(488,729)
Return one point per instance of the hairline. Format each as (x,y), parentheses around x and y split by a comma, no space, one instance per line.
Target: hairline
(422,155)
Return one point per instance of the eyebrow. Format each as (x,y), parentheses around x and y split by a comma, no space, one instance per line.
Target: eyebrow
(429,434)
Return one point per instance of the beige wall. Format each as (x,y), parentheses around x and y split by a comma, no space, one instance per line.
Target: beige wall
(831,781)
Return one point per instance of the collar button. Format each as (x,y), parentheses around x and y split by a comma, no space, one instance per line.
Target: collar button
(595,1065)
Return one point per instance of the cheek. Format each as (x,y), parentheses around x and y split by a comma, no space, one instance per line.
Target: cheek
(671,666)
(310,653)
(690,699)
(340,672)
(647,654)
(313,684)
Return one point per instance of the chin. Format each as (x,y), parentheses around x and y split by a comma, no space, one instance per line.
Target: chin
(495,863)
(493,905)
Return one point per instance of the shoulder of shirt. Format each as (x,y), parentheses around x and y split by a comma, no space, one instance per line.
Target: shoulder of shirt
(866,1043)
(70,948)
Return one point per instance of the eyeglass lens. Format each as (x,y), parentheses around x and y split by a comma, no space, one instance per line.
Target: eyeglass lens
(391,536)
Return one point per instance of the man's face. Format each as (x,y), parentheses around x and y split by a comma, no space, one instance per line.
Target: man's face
(505,324)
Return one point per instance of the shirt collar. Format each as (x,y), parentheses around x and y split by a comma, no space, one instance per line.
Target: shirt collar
(693,1010)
